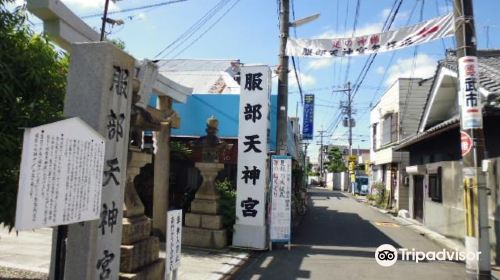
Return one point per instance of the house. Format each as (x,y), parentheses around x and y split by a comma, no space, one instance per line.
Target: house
(435,170)
(205,76)
(395,117)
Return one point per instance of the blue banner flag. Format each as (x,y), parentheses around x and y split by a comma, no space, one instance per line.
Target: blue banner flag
(307,126)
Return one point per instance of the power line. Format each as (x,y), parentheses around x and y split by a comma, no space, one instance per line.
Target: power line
(208,29)
(366,68)
(135,8)
(298,81)
(298,61)
(437,14)
(414,65)
(194,28)
(393,54)
(356,16)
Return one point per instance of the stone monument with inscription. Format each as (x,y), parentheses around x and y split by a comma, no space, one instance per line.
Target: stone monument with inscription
(203,226)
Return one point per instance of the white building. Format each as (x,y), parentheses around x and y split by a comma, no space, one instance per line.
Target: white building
(395,117)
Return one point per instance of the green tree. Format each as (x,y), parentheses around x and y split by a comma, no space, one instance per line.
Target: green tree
(32,86)
(335,162)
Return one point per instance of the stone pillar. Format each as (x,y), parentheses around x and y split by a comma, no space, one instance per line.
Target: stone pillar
(203,226)
(99,91)
(139,250)
(162,173)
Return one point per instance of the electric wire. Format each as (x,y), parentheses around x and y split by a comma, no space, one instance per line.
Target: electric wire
(135,8)
(207,30)
(393,54)
(356,16)
(186,35)
(295,67)
(414,64)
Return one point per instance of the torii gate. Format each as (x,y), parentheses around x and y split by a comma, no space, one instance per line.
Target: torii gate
(66,28)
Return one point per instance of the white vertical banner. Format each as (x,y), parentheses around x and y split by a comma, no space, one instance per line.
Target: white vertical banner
(252,148)
(173,242)
(281,192)
(470,98)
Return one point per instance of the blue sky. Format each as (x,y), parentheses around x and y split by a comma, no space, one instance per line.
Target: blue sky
(249,32)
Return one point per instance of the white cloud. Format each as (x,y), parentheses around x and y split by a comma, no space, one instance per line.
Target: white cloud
(443,10)
(385,13)
(319,63)
(87,5)
(425,67)
(141,16)
(305,80)
(366,29)
(380,70)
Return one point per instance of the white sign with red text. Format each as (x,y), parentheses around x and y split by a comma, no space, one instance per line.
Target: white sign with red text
(433,29)
(470,98)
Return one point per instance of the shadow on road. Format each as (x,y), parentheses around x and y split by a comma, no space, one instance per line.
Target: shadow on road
(324,232)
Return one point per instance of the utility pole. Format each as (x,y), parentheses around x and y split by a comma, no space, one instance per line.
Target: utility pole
(306,163)
(472,138)
(348,111)
(104,19)
(283,78)
(321,135)
(349,115)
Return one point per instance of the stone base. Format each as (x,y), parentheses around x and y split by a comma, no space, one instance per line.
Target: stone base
(205,238)
(248,236)
(207,196)
(205,206)
(193,220)
(211,221)
(135,229)
(139,254)
(155,270)
(204,221)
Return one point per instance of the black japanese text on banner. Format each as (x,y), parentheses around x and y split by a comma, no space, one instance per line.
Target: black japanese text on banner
(252,145)
(433,29)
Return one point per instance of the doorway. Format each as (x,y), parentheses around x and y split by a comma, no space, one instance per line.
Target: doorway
(418,197)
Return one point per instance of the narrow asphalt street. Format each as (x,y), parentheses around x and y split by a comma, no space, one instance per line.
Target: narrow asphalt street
(337,239)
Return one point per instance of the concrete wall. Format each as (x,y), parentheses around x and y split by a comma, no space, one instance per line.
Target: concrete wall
(344,181)
(448,217)
(329,181)
(403,190)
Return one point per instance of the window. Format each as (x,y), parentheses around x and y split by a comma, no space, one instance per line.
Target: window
(374,136)
(394,127)
(386,130)
(390,129)
(435,186)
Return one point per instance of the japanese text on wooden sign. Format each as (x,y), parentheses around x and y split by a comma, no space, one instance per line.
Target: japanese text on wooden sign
(173,241)
(281,180)
(61,175)
(252,144)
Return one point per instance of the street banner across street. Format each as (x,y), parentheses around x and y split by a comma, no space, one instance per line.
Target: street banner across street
(433,29)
